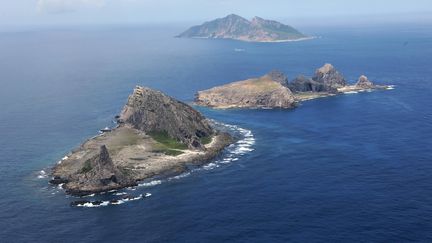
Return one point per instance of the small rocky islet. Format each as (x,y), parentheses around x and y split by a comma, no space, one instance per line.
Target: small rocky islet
(273,90)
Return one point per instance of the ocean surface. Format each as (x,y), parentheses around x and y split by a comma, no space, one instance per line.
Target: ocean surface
(351,168)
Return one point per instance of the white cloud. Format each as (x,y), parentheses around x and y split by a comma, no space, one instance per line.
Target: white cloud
(62,6)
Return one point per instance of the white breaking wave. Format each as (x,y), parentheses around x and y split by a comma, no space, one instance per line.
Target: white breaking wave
(236,150)
(97,204)
(232,153)
(151,183)
(42,174)
(179,176)
(351,92)
(64,158)
(91,205)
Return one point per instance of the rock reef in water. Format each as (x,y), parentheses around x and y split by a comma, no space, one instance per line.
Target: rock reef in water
(238,28)
(157,135)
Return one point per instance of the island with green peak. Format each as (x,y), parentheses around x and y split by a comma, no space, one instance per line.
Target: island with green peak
(238,28)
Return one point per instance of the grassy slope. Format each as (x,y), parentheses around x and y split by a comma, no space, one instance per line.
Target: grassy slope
(166,144)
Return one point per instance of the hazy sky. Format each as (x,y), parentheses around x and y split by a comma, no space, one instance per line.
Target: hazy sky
(58,12)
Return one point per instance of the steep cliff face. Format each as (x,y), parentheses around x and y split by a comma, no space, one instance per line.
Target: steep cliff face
(304,84)
(152,111)
(239,28)
(329,76)
(364,83)
(264,92)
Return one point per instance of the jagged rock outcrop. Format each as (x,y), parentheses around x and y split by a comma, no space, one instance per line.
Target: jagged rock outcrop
(152,111)
(364,83)
(304,84)
(239,28)
(264,92)
(328,75)
(98,174)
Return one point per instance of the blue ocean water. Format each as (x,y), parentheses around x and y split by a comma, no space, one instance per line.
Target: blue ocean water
(350,168)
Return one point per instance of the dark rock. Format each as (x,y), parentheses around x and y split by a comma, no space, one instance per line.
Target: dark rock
(328,75)
(79,203)
(128,197)
(98,174)
(56,180)
(303,84)
(152,111)
(97,203)
(104,171)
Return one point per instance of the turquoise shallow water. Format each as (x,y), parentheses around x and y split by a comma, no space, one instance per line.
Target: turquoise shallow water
(355,167)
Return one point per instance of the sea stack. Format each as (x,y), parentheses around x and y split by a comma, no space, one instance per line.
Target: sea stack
(329,76)
(364,83)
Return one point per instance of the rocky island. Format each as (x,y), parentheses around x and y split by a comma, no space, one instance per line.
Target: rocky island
(273,90)
(238,28)
(156,136)
(268,91)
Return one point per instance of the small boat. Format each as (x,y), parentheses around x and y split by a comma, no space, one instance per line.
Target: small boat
(106,129)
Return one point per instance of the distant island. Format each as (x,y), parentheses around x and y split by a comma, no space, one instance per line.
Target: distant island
(238,28)
(156,135)
(273,90)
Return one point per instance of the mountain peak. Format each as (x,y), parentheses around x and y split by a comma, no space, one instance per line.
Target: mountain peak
(233,16)
(257,19)
(149,110)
